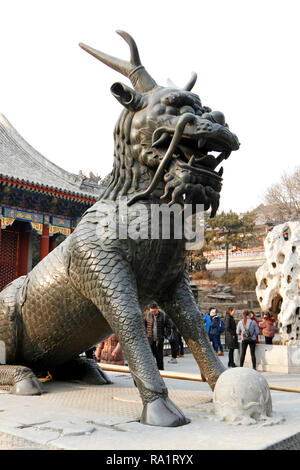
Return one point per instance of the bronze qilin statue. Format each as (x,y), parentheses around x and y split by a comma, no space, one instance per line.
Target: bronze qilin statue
(92,283)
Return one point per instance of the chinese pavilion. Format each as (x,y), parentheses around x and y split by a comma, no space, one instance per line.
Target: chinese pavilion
(39,203)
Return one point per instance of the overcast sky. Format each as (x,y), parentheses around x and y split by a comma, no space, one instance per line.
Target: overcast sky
(246,55)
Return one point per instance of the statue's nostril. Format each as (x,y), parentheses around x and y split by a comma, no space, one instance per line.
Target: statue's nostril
(214,116)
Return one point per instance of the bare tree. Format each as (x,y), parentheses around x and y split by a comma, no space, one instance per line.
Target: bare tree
(284,196)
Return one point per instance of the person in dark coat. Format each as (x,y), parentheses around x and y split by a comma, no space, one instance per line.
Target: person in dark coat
(180,343)
(216,328)
(158,328)
(231,336)
(174,343)
(90,353)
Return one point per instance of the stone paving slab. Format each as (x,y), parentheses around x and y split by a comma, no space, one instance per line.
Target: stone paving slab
(76,416)
(11,442)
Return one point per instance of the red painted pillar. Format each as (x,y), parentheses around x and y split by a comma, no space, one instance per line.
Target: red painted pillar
(52,242)
(0,242)
(23,253)
(44,243)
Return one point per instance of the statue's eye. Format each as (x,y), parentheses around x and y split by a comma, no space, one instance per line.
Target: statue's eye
(186,109)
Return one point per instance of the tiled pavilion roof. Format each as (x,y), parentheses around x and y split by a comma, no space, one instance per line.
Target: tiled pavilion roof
(22,165)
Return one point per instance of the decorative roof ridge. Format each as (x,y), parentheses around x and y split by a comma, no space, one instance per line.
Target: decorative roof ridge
(42,161)
(40,187)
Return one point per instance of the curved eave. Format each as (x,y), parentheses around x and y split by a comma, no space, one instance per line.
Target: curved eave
(58,192)
(21,164)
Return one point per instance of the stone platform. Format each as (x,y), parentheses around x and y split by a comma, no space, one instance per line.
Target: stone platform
(276,358)
(73,416)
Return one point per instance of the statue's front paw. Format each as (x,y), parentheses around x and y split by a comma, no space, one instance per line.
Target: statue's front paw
(27,386)
(163,412)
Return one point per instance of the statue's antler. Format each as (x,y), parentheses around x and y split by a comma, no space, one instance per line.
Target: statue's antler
(134,70)
(191,82)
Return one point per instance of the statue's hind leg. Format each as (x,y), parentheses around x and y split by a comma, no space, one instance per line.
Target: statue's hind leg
(19,380)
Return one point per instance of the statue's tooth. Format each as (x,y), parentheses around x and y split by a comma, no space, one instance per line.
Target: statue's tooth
(206,204)
(191,160)
(214,198)
(215,201)
(223,156)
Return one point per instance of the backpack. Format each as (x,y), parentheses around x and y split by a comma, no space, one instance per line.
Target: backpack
(246,336)
(221,326)
(217,326)
(172,337)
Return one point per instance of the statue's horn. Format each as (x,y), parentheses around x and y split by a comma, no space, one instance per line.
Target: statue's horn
(191,82)
(133,70)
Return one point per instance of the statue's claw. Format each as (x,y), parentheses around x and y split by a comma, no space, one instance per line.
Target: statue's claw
(19,380)
(96,376)
(163,412)
(85,370)
(104,376)
(27,386)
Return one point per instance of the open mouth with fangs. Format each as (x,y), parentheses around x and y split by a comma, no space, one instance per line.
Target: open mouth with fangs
(187,167)
(193,150)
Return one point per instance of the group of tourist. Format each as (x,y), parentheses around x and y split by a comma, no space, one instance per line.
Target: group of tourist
(239,336)
(159,326)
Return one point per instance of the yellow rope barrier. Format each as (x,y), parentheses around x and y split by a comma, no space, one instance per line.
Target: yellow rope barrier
(181,376)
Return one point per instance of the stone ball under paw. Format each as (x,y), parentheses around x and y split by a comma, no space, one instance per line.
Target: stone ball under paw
(242,395)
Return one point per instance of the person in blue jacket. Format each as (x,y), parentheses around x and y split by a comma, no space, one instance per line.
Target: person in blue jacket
(207,319)
(217,327)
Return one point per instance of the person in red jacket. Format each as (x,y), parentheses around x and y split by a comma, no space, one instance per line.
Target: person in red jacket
(110,351)
(268,327)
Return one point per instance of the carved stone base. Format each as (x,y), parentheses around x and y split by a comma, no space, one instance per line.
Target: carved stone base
(275,358)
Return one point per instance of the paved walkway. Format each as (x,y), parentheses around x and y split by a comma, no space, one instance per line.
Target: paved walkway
(76,416)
